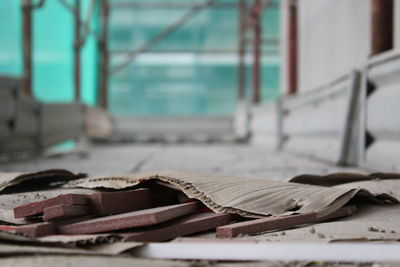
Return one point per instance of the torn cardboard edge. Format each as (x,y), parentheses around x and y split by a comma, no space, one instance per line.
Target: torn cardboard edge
(246,197)
(48,249)
(9,180)
(341,178)
(60,240)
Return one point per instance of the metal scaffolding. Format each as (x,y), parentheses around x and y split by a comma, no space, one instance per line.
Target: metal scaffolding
(27,7)
(249,19)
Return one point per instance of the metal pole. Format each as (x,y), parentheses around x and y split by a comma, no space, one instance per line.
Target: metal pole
(104,55)
(292,47)
(256,17)
(27,25)
(77,51)
(381,26)
(242,6)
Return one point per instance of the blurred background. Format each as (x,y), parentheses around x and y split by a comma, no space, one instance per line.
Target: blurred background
(189,69)
(311,78)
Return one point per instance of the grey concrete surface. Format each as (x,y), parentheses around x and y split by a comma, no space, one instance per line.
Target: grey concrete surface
(228,159)
(101,261)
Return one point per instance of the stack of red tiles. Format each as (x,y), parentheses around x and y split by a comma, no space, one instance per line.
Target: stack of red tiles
(142,215)
(134,214)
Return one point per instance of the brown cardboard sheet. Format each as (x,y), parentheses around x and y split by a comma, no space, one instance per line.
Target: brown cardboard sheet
(90,241)
(373,222)
(389,187)
(247,197)
(12,244)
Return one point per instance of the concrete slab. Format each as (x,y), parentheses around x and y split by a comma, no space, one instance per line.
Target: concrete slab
(227,159)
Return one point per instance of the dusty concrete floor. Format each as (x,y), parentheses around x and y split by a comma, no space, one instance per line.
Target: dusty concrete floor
(228,159)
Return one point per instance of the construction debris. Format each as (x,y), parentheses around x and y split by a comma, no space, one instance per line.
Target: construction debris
(72,205)
(134,210)
(279,223)
(140,214)
(108,203)
(188,225)
(157,207)
(129,220)
(64,211)
(37,229)
(36,208)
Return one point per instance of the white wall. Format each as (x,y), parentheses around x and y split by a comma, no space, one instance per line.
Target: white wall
(334,38)
(397,23)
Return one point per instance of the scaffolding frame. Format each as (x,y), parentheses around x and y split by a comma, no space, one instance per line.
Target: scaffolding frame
(249,18)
